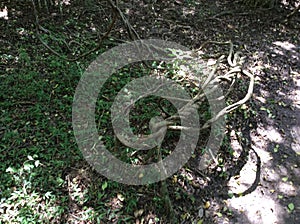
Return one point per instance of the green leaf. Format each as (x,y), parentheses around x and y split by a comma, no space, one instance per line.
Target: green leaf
(28,166)
(48,194)
(104,185)
(285,179)
(200,221)
(291,206)
(60,181)
(36,163)
(100,195)
(11,170)
(219,214)
(276,148)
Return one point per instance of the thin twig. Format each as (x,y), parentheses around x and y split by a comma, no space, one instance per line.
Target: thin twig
(38,26)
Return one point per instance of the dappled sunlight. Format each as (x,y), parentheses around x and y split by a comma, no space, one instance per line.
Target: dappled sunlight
(4,13)
(285,48)
(295,132)
(270,175)
(263,94)
(261,151)
(24,199)
(285,45)
(270,133)
(78,184)
(294,96)
(260,99)
(116,202)
(64,2)
(188,11)
(258,208)
(287,188)
(240,183)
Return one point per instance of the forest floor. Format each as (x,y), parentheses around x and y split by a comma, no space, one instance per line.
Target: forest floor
(267,172)
(273,54)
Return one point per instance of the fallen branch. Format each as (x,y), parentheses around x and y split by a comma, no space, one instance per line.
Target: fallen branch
(131,31)
(235,61)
